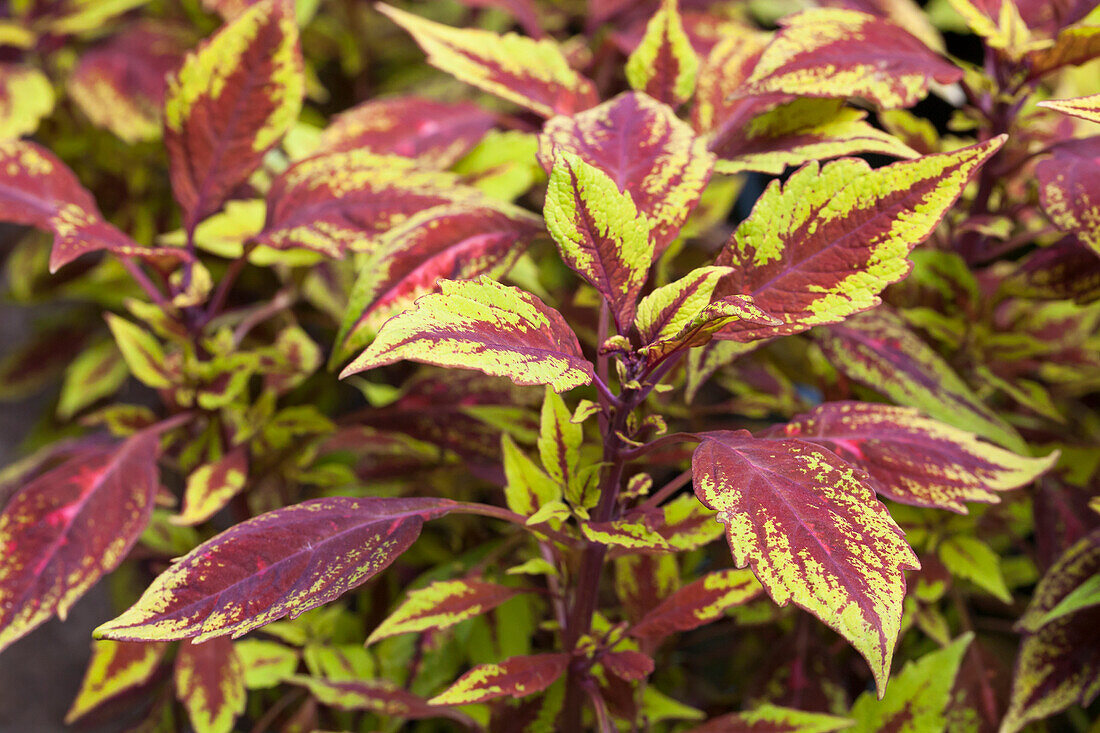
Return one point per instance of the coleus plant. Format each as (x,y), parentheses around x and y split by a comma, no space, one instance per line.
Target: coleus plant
(617,349)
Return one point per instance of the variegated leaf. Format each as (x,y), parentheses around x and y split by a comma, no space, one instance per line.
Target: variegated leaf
(878,350)
(719,106)
(38,189)
(435,134)
(1059,661)
(668,309)
(798,132)
(26,96)
(1087,108)
(918,696)
(1069,188)
(379,696)
(768,718)
(339,202)
(1066,270)
(733,309)
(527,486)
(823,245)
(480,324)
(835,52)
(211,486)
(141,351)
(457,242)
(120,84)
(559,441)
(1072,47)
(533,74)
(813,532)
(628,664)
(600,233)
(698,603)
(514,677)
(646,151)
(116,667)
(69,527)
(229,103)
(664,64)
(442,604)
(96,373)
(209,681)
(283,562)
(913,459)
(266,664)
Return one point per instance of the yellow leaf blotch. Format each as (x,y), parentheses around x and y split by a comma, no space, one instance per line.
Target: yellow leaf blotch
(665,40)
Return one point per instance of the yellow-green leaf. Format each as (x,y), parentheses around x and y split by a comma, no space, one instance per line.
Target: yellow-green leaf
(664,64)
(142,352)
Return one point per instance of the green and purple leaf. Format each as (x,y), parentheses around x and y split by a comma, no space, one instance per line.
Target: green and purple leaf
(442,604)
(380,696)
(698,603)
(664,64)
(69,527)
(230,102)
(642,146)
(283,562)
(913,459)
(823,245)
(116,667)
(481,324)
(209,680)
(514,677)
(811,529)
(435,134)
(533,74)
(211,486)
(768,718)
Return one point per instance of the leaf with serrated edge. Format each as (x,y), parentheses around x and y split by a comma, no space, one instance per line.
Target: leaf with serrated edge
(440,605)
(698,603)
(878,350)
(768,718)
(1087,108)
(914,459)
(533,74)
(481,324)
(229,103)
(823,245)
(645,150)
(664,64)
(211,486)
(813,532)
(37,189)
(918,696)
(456,242)
(599,232)
(341,202)
(209,680)
(514,677)
(67,528)
(835,52)
(115,667)
(283,562)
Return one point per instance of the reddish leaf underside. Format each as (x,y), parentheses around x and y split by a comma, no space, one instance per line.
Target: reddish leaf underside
(913,459)
(813,532)
(436,134)
(645,149)
(283,562)
(230,103)
(66,529)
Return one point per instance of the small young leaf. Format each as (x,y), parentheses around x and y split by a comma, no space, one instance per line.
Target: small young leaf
(515,677)
(212,485)
(440,605)
(668,309)
(559,441)
(913,459)
(435,134)
(918,695)
(599,232)
(142,352)
(265,663)
(532,74)
(971,559)
(698,603)
(230,103)
(69,527)
(480,324)
(823,245)
(528,488)
(664,64)
(209,682)
(733,309)
(836,52)
(642,146)
(115,667)
(813,532)
(283,562)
